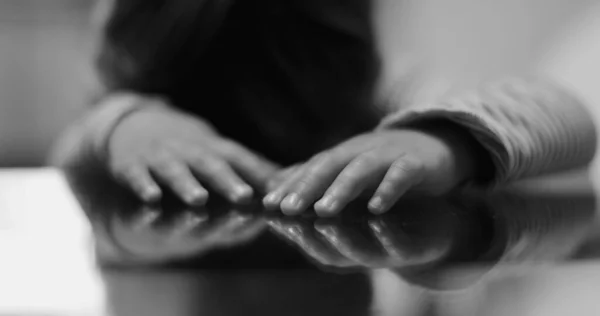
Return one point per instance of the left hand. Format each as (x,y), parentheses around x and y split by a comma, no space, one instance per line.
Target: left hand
(392,162)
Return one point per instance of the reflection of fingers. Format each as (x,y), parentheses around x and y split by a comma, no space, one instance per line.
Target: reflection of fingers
(386,238)
(229,226)
(404,250)
(188,221)
(249,228)
(179,178)
(318,175)
(401,176)
(139,180)
(305,238)
(145,218)
(204,231)
(363,171)
(349,245)
(221,177)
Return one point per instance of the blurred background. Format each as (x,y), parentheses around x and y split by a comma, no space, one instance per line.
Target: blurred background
(45,46)
(44,71)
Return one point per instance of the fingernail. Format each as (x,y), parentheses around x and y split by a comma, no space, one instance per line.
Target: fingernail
(292,203)
(151,193)
(272,200)
(326,204)
(241,192)
(376,205)
(196,196)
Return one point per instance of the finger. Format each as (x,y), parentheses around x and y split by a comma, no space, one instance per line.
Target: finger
(280,176)
(272,201)
(404,173)
(363,171)
(221,177)
(139,180)
(318,175)
(293,175)
(180,179)
(257,170)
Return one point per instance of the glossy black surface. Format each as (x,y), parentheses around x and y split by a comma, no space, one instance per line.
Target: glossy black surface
(237,260)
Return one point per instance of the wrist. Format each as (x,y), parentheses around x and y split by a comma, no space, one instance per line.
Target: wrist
(111,112)
(468,159)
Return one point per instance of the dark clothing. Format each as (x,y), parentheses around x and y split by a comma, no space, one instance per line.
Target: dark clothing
(285,78)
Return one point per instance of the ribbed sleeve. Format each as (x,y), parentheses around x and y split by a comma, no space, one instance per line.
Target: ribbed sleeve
(529,126)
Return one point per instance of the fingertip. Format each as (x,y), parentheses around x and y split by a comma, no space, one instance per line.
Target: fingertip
(151,194)
(271,201)
(377,206)
(320,206)
(241,194)
(327,206)
(197,196)
(293,204)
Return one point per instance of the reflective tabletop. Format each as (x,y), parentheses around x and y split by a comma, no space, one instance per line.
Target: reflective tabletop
(530,249)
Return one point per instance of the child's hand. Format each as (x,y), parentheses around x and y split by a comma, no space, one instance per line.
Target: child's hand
(389,162)
(185,155)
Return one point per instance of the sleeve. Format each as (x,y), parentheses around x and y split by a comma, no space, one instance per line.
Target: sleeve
(529,126)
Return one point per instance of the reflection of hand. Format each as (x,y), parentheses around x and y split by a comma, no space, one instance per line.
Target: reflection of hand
(416,233)
(388,163)
(185,155)
(153,235)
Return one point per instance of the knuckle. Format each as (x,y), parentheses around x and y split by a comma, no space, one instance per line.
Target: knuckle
(365,159)
(322,158)
(160,156)
(198,157)
(230,148)
(217,167)
(306,180)
(349,178)
(175,170)
(159,147)
(192,152)
(406,164)
(307,183)
(127,172)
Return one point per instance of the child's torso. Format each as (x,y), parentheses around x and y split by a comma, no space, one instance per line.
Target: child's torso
(287,78)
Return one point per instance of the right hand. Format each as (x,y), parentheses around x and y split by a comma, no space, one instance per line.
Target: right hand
(184,154)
